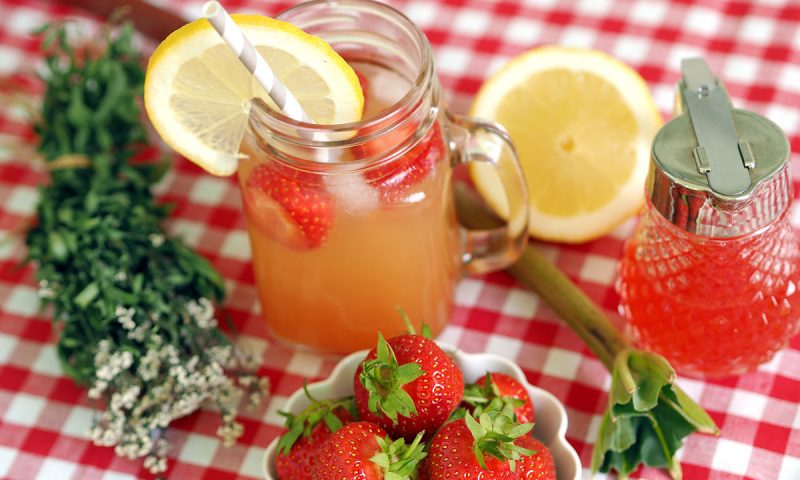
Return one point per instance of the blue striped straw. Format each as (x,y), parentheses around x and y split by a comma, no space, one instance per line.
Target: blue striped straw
(254,62)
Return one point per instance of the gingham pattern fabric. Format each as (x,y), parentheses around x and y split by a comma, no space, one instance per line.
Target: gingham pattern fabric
(754,46)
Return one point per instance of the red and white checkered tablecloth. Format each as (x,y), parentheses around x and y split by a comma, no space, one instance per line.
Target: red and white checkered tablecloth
(753,46)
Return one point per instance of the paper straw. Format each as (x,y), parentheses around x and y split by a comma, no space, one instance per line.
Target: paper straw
(253,61)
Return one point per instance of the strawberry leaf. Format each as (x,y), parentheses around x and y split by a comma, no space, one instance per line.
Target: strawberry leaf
(317,411)
(522,450)
(408,372)
(494,434)
(384,379)
(478,431)
(426,331)
(479,455)
(398,460)
(409,326)
(384,353)
(487,398)
(331,421)
(520,430)
(289,438)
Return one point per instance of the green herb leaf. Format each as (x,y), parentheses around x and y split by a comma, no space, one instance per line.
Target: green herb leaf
(117,283)
(87,295)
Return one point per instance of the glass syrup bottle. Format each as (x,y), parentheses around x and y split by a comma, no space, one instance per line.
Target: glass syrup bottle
(709,278)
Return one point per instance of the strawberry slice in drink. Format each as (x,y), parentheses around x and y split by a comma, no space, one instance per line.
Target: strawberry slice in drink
(396,179)
(384,137)
(292,208)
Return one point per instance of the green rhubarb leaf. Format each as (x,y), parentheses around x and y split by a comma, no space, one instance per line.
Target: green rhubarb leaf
(640,376)
(692,412)
(647,419)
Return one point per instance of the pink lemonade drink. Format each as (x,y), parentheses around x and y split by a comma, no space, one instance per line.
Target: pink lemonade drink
(350,223)
(382,240)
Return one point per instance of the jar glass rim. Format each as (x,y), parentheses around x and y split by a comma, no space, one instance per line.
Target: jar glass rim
(409,100)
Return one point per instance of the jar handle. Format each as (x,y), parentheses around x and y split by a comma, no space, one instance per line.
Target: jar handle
(487,146)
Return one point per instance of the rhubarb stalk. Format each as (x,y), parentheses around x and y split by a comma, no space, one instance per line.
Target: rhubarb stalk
(648,414)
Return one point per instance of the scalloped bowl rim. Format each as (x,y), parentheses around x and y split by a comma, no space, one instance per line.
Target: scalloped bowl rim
(551,417)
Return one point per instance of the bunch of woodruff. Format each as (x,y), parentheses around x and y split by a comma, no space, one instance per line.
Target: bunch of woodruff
(412,417)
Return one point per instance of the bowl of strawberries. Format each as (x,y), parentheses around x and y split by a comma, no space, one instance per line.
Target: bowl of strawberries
(412,408)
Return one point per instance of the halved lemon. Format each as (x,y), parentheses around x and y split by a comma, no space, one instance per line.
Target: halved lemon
(198,95)
(582,123)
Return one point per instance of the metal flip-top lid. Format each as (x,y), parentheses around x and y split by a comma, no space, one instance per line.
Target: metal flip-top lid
(717,170)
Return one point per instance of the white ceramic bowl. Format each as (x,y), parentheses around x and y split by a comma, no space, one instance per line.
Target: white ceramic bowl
(551,418)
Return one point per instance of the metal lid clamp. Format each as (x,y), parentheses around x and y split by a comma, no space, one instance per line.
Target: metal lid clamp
(716,170)
(720,155)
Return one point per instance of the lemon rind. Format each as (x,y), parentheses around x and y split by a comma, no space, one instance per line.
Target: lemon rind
(196,37)
(633,89)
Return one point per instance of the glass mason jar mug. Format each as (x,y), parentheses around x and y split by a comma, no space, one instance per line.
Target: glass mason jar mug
(349,223)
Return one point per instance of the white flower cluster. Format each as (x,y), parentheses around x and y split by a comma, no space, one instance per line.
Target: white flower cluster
(108,366)
(142,328)
(165,382)
(46,289)
(156,239)
(258,387)
(125,317)
(202,312)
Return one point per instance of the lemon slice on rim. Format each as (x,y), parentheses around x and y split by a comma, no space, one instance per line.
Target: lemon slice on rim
(582,123)
(197,93)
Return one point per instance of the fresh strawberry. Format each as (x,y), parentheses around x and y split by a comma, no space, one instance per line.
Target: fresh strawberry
(498,391)
(363,450)
(539,465)
(466,448)
(395,178)
(299,447)
(406,385)
(292,208)
(424,471)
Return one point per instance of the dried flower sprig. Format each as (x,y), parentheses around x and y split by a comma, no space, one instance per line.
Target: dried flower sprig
(134,306)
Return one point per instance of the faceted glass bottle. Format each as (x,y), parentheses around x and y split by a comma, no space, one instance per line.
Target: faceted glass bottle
(710,277)
(713,307)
